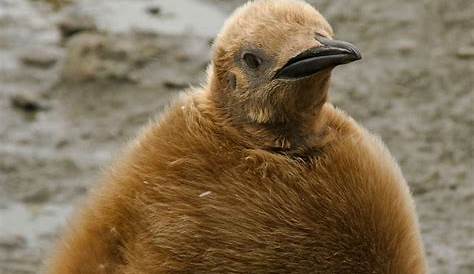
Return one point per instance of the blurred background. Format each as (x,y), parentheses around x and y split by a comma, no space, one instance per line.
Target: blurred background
(79,78)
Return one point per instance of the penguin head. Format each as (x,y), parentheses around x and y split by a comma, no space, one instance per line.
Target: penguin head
(272,61)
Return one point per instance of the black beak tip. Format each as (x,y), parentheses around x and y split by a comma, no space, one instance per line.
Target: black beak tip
(356,54)
(331,54)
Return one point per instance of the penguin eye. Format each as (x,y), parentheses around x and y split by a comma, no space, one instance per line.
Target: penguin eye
(318,34)
(252,60)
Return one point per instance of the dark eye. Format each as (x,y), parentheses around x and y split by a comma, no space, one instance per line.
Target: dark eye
(252,60)
(318,34)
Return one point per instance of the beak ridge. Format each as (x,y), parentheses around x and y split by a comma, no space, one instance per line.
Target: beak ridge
(332,53)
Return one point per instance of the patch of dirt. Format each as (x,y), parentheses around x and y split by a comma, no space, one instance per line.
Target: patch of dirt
(69,101)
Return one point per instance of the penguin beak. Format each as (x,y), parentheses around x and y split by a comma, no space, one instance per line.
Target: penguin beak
(331,54)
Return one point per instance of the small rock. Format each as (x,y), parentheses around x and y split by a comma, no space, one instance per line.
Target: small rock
(12,241)
(39,196)
(27,103)
(62,143)
(418,190)
(96,56)
(86,135)
(58,4)
(465,52)
(39,57)
(154,10)
(405,46)
(74,23)
(182,57)
(80,190)
(83,56)
(453,187)
(174,85)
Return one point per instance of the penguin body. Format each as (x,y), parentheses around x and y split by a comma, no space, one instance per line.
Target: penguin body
(225,183)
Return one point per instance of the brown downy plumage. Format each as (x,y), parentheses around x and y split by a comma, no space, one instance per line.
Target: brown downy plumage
(254,172)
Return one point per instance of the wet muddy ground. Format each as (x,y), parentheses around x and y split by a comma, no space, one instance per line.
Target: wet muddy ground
(77,83)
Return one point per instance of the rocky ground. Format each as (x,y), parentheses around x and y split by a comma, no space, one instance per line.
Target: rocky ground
(76,83)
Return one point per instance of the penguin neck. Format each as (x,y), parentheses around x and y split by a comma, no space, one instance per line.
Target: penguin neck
(298,125)
(299,132)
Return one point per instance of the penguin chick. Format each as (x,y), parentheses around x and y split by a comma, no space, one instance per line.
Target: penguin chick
(253,173)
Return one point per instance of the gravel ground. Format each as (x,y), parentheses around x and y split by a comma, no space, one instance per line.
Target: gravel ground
(76,85)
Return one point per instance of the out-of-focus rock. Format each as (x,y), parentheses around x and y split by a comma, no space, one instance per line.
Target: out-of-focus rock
(12,241)
(39,57)
(405,46)
(465,53)
(59,4)
(182,57)
(96,56)
(154,10)
(27,102)
(40,196)
(73,22)
(172,84)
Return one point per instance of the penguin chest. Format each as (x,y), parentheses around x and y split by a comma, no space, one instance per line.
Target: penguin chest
(243,211)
